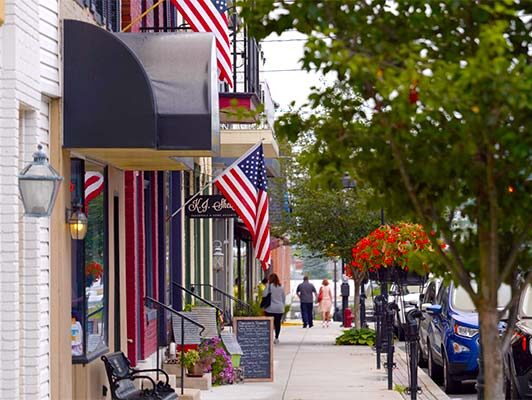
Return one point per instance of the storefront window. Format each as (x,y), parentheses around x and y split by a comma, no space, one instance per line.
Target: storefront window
(90,264)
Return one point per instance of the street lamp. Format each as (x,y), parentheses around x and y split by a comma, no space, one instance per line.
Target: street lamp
(38,185)
(348,182)
(218,255)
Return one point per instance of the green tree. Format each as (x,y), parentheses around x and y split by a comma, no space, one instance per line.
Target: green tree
(432,106)
(314,265)
(329,221)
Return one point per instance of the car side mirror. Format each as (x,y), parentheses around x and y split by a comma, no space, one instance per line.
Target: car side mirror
(434,309)
(424,306)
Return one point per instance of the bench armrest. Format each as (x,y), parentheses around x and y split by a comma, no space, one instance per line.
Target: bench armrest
(138,371)
(133,377)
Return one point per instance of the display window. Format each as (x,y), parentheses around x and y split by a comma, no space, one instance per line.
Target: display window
(90,266)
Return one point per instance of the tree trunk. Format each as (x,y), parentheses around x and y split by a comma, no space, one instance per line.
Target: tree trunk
(356,311)
(491,353)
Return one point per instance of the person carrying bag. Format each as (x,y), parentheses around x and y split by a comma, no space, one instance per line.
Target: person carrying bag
(273,300)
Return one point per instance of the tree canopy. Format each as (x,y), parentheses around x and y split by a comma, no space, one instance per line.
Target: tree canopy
(431,106)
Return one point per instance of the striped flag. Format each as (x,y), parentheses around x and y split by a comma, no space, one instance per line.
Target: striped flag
(93,187)
(209,16)
(244,185)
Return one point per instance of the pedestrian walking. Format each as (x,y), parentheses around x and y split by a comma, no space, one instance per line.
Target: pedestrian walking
(277,301)
(325,303)
(306,291)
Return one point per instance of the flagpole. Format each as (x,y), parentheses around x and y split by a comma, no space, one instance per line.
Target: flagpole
(247,153)
(149,10)
(214,180)
(189,200)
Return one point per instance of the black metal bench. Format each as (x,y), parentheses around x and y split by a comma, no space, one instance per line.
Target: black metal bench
(121,377)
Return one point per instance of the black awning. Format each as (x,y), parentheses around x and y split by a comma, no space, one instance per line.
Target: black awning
(140,91)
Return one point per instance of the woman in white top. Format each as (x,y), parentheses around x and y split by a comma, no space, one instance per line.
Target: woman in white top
(276,307)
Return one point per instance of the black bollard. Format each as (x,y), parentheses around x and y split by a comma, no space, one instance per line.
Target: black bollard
(391,310)
(378,310)
(412,341)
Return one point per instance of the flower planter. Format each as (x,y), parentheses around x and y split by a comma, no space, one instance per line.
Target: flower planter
(397,275)
(195,371)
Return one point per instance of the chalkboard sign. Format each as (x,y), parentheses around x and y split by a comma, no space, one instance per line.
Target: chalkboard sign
(254,334)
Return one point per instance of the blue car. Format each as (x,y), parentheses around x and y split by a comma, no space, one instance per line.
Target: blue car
(453,336)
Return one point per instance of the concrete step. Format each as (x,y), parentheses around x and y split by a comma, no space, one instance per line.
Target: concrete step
(193,382)
(189,394)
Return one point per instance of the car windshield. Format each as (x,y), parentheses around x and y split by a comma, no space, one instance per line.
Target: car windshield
(526,305)
(409,289)
(461,300)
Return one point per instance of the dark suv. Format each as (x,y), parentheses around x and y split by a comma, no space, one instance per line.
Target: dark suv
(518,359)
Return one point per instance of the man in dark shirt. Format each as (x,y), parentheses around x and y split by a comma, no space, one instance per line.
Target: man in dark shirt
(305,291)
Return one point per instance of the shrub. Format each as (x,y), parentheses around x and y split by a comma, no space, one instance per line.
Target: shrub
(363,336)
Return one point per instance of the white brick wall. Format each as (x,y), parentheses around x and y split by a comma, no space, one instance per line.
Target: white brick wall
(29,72)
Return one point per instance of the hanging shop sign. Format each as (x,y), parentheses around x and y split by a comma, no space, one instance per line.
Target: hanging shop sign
(213,206)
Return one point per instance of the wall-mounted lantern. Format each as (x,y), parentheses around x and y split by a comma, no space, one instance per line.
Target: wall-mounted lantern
(38,185)
(77,222)
(218,256)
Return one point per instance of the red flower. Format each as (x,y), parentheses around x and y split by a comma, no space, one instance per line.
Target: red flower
(389,245)
(413,95)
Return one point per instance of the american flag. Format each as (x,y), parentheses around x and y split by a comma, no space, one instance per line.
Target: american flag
(93,187)
(244,185)
(209,16)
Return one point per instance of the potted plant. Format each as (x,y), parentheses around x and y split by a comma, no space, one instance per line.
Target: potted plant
(191,361)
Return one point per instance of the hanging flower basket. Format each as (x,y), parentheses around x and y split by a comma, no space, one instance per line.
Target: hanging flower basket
(384,253)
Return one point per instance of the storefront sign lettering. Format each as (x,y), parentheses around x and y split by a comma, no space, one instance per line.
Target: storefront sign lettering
(214,206)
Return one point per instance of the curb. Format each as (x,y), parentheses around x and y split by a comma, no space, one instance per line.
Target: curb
(429,389)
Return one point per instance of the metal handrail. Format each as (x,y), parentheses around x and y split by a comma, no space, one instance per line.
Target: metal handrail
(240,302)
(168,308)
(183,318)
(199,297)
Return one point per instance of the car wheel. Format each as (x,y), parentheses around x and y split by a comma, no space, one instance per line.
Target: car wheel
(450,385)
(420,359)
(435,372)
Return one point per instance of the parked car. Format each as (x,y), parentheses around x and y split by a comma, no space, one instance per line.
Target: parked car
(518,359)
(407,298)
(429,297)
(453,335)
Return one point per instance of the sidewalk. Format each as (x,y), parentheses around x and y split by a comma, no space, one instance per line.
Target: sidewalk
(309,366)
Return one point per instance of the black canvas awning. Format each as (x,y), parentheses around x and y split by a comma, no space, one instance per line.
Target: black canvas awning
(140,98)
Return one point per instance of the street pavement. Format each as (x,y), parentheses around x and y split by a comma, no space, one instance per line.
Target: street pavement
(309,366)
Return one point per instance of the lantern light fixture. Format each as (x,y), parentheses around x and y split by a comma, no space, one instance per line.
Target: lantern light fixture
(38,185)
(218,255)
(77,222)
(348,182)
